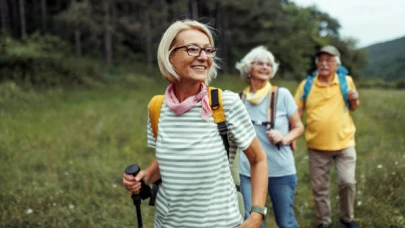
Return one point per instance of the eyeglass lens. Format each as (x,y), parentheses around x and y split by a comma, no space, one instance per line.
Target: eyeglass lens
(261,63)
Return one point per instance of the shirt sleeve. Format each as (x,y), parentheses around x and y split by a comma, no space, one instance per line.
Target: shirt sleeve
(238,120)
(298,95)
(289,102)
(350,82)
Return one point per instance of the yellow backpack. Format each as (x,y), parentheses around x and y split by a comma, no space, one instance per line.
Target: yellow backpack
(215,98)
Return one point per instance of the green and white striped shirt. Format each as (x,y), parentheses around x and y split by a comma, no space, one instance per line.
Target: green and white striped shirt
(198,189)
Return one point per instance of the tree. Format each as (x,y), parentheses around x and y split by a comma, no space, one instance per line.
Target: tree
(4,16)
(107,34)
(193,5)
(43,15)
(22,18)
(77,35)
(130,30)
(148,33)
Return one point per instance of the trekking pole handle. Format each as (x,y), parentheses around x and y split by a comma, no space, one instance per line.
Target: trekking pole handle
(145,189)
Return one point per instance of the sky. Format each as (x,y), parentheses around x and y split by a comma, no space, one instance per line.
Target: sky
(368,21)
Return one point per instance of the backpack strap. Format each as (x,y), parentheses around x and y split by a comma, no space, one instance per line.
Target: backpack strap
(307,86)
(155,105)
(342,72)
(215,97)
(272,107)
(272,110)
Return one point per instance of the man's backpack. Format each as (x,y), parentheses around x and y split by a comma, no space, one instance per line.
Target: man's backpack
(271,113)
(215,98)
(341,72)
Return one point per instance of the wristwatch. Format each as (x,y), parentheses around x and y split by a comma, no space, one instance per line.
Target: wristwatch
(260,210)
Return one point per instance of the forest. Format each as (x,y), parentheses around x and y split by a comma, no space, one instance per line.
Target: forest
(71,42)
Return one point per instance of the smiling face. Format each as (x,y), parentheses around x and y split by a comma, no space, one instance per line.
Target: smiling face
(326,65)
(191,68)
(261,70)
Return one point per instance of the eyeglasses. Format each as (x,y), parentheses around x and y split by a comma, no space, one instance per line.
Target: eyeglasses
(328,60)
(262,64)
(193,50)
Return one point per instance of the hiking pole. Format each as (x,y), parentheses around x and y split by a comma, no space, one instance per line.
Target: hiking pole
(144,193)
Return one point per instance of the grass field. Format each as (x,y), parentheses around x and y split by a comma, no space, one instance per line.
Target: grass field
(62,155)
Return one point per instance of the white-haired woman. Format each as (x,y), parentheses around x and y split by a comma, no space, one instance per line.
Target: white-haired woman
(197,189)
(256,69)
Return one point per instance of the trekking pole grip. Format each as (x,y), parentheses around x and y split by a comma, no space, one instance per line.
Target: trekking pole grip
(145,189)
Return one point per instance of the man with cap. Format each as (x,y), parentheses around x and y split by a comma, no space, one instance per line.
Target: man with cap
(329,135)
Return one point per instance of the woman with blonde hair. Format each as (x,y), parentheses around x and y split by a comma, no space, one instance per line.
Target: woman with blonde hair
(197,189)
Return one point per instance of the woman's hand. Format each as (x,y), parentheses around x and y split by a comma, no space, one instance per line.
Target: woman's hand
(133,184)
(149,175)
(254,221)
(275,137)
(296,129)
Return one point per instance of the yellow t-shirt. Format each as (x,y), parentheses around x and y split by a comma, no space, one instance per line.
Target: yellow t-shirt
(329,125)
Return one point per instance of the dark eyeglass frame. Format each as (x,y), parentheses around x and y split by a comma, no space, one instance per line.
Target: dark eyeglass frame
(211,54)
(328,60)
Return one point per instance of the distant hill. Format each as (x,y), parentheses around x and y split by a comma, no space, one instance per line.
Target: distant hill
(387,60)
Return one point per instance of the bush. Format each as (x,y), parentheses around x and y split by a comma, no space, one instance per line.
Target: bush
(374,84)
(400,83)
(45,61)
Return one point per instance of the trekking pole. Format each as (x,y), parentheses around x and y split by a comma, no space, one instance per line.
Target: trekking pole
(136,198)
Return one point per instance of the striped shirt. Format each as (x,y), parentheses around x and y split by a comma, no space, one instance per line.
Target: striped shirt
(198,189)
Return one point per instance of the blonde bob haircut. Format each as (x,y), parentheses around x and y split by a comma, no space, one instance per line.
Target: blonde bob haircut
(259,53)
(166,47)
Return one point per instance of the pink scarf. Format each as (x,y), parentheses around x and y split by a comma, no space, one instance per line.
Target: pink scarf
(180,108)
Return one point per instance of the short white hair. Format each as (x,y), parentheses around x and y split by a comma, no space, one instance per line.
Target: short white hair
(337,60)
(166,46)
(258,53)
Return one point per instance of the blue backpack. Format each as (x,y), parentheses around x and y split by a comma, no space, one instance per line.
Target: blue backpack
(341,73)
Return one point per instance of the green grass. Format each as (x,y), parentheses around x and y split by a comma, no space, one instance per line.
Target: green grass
(62,155)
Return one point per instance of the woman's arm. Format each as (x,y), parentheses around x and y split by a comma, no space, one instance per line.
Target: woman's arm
(296,128)
(259,176)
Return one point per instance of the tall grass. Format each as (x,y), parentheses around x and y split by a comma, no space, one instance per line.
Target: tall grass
(62,155)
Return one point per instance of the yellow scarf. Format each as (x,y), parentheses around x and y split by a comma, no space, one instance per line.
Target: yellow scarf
(260,94)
